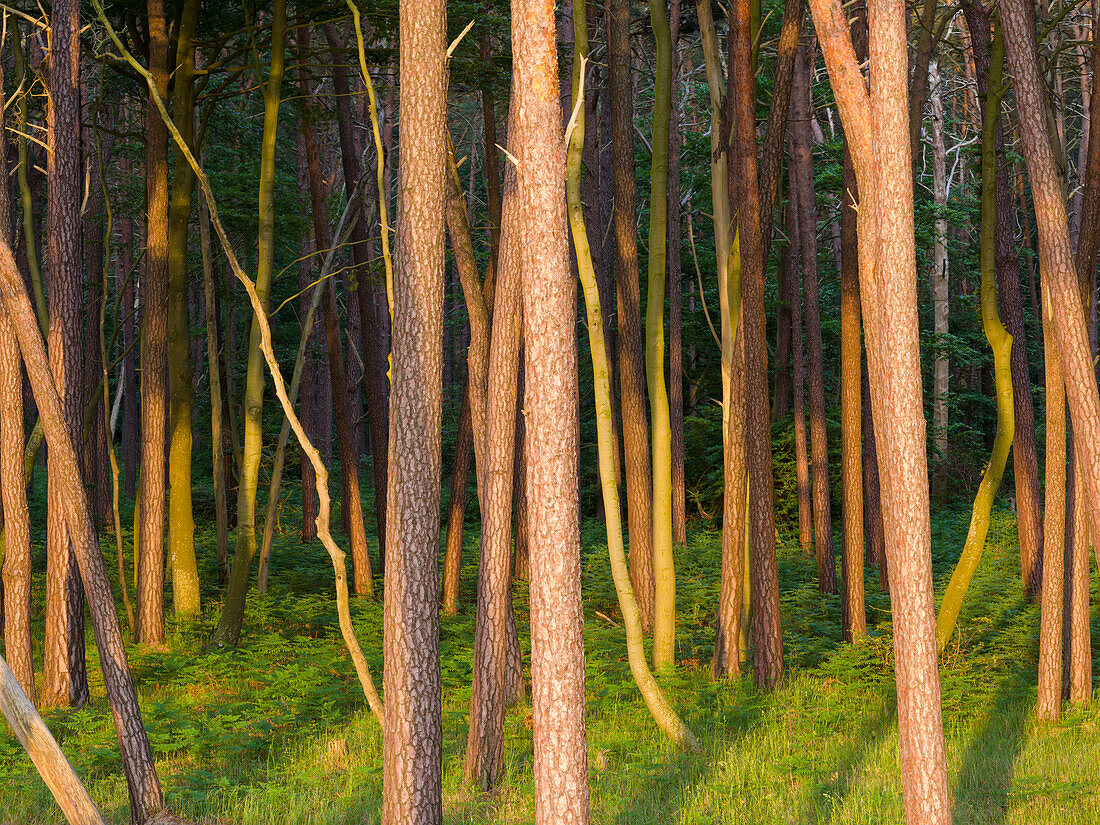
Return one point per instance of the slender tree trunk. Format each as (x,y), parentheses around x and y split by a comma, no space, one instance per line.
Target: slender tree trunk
(940,286)
(232,618)
(351,503)
(851,402)
(154,358)
(181,519)
(412,740)
(456,507)
(801,452)
(314,373)
(675,284)
(130,440)
(664,571)
(484,746)
(374,377)
(65,680)
(888,295)
(549,309)
(767,635)
(1051,654)
(802,190)
(631,363)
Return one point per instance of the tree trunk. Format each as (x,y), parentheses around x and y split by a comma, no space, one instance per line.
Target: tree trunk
(631,364)
(802,191)
(488,699)
(232,618)
(767,635)
(888,294)
(181,519)
(1051,654)
(664,571)
(412,738)
(940,283)
(154,343)
(351,504)
(853,609)
(801,453)
(549,317)
(65,680)
(675,284)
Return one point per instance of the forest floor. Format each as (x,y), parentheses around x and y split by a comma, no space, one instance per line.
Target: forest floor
(277,731)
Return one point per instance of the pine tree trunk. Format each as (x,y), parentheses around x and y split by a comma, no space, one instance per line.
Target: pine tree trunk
(65,680)
(154,341)
(675,285)
(412,738)
(767,636)
(549,318)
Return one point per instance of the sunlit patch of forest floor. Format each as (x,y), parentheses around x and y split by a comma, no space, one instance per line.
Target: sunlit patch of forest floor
(277,731)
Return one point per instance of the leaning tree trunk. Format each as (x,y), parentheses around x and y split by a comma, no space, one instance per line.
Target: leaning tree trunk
(412,738)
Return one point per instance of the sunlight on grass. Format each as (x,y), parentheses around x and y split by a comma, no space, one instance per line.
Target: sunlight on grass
(277,731)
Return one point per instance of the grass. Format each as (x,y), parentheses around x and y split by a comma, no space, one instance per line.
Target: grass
(277,731)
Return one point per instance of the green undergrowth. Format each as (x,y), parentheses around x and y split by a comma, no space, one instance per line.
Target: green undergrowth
(277,731)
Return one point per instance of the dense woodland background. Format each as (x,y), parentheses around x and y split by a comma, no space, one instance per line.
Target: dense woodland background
(624,443)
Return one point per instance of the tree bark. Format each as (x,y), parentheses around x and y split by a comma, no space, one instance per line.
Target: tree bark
(675,285)
(631,364)
(412,741)
(154,343)
(181,519)
(549,318)
(798,393)
(853,609)
(767,634)
(65,680)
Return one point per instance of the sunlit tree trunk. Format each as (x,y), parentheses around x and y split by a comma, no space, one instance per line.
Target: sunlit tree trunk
(412,740)
(549,319)
(876,124)
(181,520)
(798,381)
(853,609)
(154,358)
(65,680)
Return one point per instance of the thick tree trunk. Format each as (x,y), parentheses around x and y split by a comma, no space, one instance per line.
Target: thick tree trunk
(412,740)
(549,318)
(628,286)
(883,166)
(65,680)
